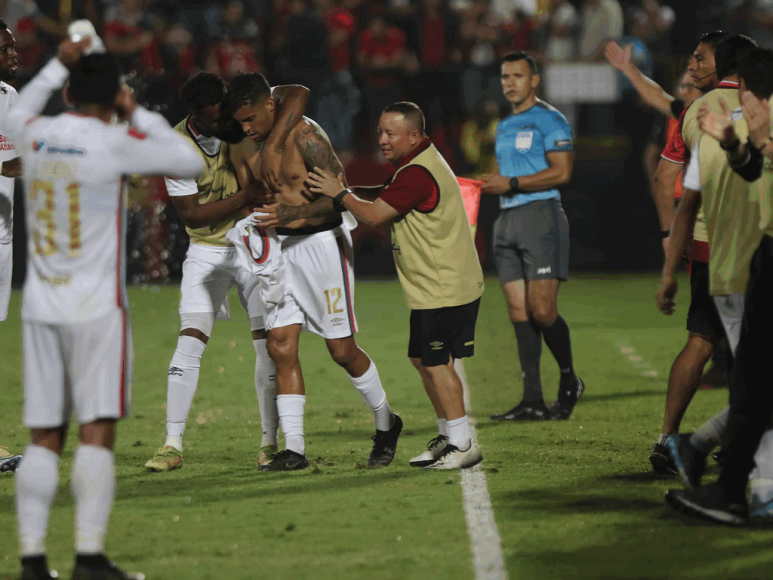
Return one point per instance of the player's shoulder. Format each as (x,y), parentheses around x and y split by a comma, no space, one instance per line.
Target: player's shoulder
(7,91)
(547,115)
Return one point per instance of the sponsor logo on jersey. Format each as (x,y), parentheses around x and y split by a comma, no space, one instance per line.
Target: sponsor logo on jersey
(436,345)
(737,114)
(543,270)
(562,143)
(37,145)
(523,141)
(53,149)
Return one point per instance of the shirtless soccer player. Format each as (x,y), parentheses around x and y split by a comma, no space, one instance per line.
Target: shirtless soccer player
(210,206)
(317,251)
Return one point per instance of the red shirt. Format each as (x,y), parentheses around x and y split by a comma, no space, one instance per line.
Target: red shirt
(675,150)
(414,187)
(433,44)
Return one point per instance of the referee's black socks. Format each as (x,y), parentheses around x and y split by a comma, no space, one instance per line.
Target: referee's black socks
(529,339)
(560,344)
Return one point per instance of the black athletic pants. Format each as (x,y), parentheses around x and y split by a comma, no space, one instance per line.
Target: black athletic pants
(751,379)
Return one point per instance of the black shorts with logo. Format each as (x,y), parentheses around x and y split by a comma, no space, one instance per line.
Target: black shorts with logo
(438,334)
(531,242)
(703,316)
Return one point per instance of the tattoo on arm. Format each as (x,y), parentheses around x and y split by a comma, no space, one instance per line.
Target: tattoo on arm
(316,150)
(322,207)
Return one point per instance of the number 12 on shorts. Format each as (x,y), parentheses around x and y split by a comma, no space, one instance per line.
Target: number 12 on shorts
(335,296)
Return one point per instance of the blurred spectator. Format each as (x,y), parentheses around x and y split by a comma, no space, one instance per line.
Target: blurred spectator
(12,11)
(562,23)
(305,57)
(129,34)
(29,50)
(479,42)
(602,20)
(381,53)
(517,33)
(478,138)
(276,34)
(339,98)
(761,22)
(52,18)
(652,22)
(179,56)
(234,38)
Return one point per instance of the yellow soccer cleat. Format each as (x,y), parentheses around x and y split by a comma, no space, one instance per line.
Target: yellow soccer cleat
(166,459)
(8,461)
(267,454)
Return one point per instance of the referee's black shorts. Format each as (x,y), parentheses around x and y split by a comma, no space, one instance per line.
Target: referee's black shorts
(439,334)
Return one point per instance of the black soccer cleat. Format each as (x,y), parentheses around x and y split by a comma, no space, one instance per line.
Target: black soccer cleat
(286,460)
(36,568)
(100,568)
(709,502)
(562,409)
(661,460)
(385,444)
(525,411)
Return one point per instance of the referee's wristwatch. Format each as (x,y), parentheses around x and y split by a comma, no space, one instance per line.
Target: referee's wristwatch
(338,200)
(514,184)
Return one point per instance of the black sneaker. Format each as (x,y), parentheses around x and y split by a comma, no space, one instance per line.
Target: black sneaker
(709,502)
(661,460)
(36,568)
(690,463)
(100,568)
(525,411)
(286,460)
(385,444)
(562,409)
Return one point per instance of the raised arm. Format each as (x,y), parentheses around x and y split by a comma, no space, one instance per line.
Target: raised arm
(649,91)
(291,102)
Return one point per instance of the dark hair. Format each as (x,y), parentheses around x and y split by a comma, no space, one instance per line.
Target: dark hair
(203,90)
(247,89)
(95,80)
(3,25)
(714,37)
(410,111)
(756,69)
(520,55)
(728,53)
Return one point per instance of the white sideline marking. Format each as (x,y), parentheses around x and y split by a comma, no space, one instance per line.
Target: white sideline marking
(484,535)
(636,359)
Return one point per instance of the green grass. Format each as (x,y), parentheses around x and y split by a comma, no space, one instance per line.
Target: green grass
(571,500)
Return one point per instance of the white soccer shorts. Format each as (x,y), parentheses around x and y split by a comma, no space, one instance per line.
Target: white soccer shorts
(209,273)
(6,271)
(320,276)
(85,367)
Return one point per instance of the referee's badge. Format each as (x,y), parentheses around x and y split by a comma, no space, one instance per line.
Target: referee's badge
(524,140)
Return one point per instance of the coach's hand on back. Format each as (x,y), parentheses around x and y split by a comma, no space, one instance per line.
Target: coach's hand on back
(70,52)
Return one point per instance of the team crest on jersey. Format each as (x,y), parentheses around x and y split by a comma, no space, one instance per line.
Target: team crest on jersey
(37,145)
(524,140)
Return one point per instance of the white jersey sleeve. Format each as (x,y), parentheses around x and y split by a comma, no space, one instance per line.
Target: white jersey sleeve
(180,187)
(34,96)
(692,177)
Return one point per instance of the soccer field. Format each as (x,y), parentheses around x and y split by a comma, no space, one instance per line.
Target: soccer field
(572,499)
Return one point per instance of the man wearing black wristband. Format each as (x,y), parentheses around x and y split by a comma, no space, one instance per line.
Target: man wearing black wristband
(531,238)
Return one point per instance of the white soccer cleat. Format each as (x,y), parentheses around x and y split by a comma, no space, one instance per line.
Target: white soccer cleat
(453,458)
(434,450)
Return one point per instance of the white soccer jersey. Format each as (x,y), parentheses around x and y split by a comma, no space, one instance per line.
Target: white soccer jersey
(8,96)
(73,170)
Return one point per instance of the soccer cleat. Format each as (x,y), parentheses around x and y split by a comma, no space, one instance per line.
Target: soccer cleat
(709,502)
(690,463)
(525,411)
(267,454)
(453,458)
(562,409)
(385,444)
(434,450)
(166,459)
(661,460)
(36,568)
(286,460)
(103,569)
(8,461)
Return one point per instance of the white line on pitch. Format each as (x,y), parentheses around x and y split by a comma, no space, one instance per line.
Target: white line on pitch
(487,556)
(636,359)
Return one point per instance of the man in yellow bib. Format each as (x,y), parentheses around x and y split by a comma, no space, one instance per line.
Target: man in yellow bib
(437,265)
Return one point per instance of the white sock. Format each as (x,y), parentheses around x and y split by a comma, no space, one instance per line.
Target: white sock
(181,385)
(442,427)
(369,386)
(37,480)
(290,409)
(265,383)
(459,433)
(93,486)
